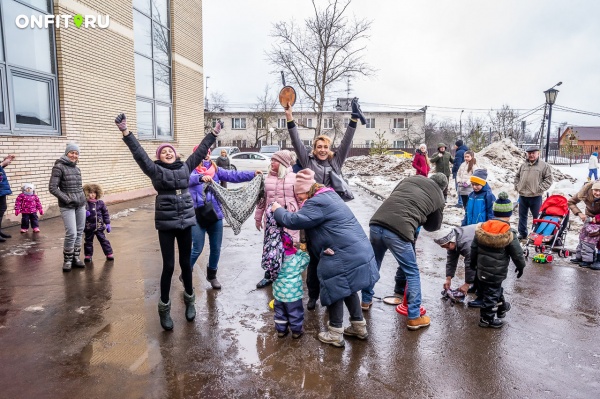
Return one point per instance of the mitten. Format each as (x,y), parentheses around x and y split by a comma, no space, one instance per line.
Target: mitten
(17,212)
(519,272)
(217,128)
(357,112)
(121,122)
(87,214)
(108,228)
(41,211)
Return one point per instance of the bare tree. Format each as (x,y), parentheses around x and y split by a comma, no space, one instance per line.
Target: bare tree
(216,104)
(265,117)
(506,123)
(476,137)
(322,52)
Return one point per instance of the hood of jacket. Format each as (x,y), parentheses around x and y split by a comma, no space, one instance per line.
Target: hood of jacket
(65,160)
(494,233)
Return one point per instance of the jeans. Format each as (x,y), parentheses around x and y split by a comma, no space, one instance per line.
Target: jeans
(593,172)
(166,240)
(74,220)
(460,200)
(215,239)
(383,239)
(336,310)
(465,200)
(525,204)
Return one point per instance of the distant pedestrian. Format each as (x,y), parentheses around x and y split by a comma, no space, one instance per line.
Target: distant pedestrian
(223,162)
(174,213)
(97,221)
(593,166)
(481,200)
(443,161)
(4,191)
(65,184)
(421,161)
(533,178)
(28,205)
(463,177)
(459,158)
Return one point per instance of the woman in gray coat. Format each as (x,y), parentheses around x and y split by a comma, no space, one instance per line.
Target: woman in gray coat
(174,213)
(65,184)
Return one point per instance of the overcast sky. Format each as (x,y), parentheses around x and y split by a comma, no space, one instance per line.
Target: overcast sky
(459,54)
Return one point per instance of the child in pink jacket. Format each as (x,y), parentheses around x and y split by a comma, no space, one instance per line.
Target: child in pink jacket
(28,205)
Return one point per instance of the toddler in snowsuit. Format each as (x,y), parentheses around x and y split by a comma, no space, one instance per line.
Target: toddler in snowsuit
(481,200)
(287,290)
(28,205)
(494,245)
(588,240)
(97,220)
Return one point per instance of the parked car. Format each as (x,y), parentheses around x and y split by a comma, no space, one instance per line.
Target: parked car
(269,149)
(250,161)
(216,152)
(399,154)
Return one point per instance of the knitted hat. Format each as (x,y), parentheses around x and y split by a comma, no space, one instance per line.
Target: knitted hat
(164,145)
(459,143)
(595,154)
(304,181)
(440,179)
(450,237)
(503,207)
(71,147)
(284,157)
(288,244)
(440,145)
(596,186)
(479,177)
(28,185)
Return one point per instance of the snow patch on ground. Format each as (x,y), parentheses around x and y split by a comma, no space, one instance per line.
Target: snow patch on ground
(123,213)
(35,309)
(20,249)
(82,309)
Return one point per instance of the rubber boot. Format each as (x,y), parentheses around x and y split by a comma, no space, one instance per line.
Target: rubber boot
(211,277)
(3,234)
(164,313)
(68,260)
(76,261)
(333,336)
(357,329)
(190,309)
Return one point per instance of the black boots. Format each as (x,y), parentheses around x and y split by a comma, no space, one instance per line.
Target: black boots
(476,303)
(490,323)
(76,261)
(3,236)
(357,112)
(502,309)
(311,304)
(211,277)
(68,260)
(265,281)
(164,313)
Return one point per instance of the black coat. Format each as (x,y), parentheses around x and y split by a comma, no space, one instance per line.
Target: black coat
(172,209)
(459,158)
(65,184)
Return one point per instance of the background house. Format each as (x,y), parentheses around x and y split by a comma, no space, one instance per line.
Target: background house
(584,136)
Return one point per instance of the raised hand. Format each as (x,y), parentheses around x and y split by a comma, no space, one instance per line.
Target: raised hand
(121,122)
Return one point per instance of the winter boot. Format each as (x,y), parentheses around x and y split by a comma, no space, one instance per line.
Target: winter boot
(576,260)
(3,234)
(68,260)
(419,322)
(87,259)
(164,312)
(190,309)
(211,277)
(76,261)
(357,112)
(357,329)
(2,239)
(490,323)
(595,266)
(333,336)
(476,303)
(502,309)
(311,304)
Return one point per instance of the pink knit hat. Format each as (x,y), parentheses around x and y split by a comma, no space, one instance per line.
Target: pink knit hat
(304,181)
(164,145)
(284,157)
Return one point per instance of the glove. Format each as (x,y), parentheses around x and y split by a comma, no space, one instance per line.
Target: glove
(217,128)
(519,272)
(41,211)
(87,214)
(121,122)
(17,212)
(357,112)
(108,228)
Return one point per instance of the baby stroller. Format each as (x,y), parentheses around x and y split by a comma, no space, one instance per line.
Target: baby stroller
(549,231)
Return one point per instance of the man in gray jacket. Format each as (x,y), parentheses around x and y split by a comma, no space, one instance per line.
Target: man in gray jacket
(457,243)
(533,178)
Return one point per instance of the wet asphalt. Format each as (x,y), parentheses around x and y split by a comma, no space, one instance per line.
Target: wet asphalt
(95,332)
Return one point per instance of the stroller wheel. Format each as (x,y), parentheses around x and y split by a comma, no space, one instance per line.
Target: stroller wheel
(567,253)
(526,253)
(543,248)
(561,253)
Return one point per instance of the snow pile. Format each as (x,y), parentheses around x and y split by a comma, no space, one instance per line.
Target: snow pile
(381,172)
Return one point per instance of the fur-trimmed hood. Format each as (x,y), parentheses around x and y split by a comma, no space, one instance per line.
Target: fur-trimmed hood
(93,188)
(494,233)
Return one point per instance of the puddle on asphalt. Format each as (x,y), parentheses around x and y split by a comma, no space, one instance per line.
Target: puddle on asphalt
(19,249)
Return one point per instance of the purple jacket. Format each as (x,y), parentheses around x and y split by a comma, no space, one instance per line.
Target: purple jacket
(196,186)
(99,216)
(28,203)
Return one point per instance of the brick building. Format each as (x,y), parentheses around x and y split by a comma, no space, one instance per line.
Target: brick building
(66,84)
(583,136)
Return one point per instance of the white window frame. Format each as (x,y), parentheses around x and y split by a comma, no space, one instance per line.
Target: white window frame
(370,123)
(400,123)
(346,122)
(238,123)
(281,123)
(399,143)
(260,123)
(327,123)
(369,143)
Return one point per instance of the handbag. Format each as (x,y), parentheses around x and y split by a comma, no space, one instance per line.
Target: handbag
(340,186)
(206,214)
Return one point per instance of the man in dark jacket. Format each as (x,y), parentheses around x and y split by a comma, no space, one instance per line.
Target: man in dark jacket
(416,201)
(442,161)
(459,158)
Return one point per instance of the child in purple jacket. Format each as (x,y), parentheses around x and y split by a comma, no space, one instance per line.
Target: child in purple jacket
(96,222)
(28,205)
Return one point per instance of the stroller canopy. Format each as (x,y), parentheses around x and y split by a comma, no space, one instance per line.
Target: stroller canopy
(555,205)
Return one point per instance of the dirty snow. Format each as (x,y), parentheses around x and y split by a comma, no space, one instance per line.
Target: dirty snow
(34,309)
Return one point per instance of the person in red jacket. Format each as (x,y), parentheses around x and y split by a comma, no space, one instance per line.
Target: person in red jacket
(421,161)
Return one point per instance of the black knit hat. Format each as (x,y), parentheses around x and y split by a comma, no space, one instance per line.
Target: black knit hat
(503,207)
(459,143)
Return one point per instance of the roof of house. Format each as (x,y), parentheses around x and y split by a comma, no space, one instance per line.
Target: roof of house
(586,132)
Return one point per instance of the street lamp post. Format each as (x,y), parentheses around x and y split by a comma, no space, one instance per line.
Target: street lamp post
(460,123)
(550,94)
(206,94)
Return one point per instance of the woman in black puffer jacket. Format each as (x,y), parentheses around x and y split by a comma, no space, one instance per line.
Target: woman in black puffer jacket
(65,184)
(174,213)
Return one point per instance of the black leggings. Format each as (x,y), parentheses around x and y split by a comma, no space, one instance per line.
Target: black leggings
(336,310)
(3,206)
(166,239)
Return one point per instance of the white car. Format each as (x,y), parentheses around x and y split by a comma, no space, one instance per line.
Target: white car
(250,161)
(216,152)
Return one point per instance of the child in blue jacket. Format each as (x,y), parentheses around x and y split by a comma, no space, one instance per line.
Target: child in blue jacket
(481,200)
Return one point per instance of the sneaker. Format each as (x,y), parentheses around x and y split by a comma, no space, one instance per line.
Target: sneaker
(110,257)
(36,230)
(420,322)
(311,304)
(477,303)
(24,231)
(297,335)
(87,258)
(575,260)
(366,306)
(502,309)
(494,323)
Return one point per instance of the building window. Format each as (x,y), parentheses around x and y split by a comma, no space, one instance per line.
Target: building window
(152,48)
(307,142)
(370,123)
(309,122)
(327,123)
(281,123)
(238,123)
(399,144)
(400,123)
(260,123)
(368,143)
(239,143)
(282,143)
(346,122)
(28,81)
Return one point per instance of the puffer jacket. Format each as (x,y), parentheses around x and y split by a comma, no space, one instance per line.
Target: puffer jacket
(479,208)
(329,223)
(464,238)
(321,168)
(98,218)
(459,158)
(420,163)
(65,184)
(223,162)
(442,162)
(533,179)
(593,163)
(494,245)
(28,203)
(174,208)
(416,201)
(463,178)
(4,186)
(282,192)
(197,186)
(592,205)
